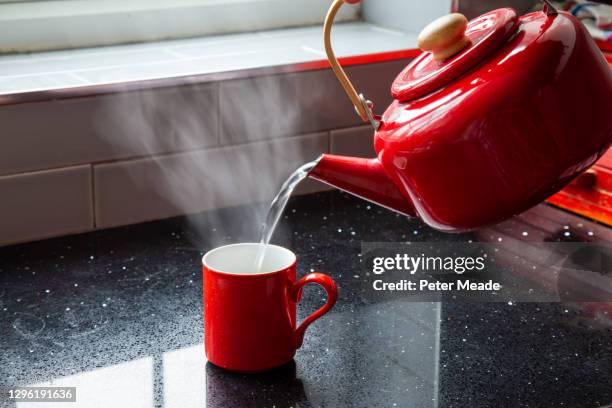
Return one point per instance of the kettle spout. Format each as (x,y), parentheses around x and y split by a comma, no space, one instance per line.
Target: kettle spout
(364,178)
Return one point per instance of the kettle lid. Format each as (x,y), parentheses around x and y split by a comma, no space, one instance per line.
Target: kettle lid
(485,33)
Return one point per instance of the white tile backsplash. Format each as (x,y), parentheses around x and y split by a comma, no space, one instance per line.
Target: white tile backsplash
(140,190)
(59,133)
(138,62)
(42,82)
(110,152)
(197,66)
(138,72)
(45,203)
(371,40)
(66,62)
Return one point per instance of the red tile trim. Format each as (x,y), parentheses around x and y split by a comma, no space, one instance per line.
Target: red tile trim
(605,46)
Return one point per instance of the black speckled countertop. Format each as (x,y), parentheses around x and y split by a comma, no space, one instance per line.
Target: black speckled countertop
(118,314)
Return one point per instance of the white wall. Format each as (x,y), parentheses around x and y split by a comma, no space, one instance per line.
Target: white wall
(405,15)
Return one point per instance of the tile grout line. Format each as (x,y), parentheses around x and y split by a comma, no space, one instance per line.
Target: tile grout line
(92,183)
(175,152)
(218,113)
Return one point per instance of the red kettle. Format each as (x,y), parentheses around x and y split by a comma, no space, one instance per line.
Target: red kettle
(495,115)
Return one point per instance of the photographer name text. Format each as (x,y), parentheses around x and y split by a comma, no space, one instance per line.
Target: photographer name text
(412,265)
(424,284)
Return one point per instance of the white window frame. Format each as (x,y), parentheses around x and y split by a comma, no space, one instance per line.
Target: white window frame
(58,24)
(404,15)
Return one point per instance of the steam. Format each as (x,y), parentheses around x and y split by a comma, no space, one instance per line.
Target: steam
(178,141)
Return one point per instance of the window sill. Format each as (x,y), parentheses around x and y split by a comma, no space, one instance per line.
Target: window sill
(33,26)
(86,72)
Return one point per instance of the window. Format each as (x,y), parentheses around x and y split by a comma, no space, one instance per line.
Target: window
(57,24)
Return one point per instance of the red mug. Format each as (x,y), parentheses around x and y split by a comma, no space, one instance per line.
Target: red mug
(249,315)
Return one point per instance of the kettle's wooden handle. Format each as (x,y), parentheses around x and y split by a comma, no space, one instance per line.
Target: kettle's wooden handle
(444,37)
(333,61)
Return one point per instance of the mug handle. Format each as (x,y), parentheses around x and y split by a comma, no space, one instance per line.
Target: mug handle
(296,293)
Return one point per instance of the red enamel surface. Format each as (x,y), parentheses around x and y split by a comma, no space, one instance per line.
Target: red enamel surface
(589,203)
(500,138)
(605,46)
(425,74)
(593,200)
(364,178)
(249,320)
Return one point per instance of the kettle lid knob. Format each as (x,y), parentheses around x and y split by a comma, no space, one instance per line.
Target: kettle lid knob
(445,36)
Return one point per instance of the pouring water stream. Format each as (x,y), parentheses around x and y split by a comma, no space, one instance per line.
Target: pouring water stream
(277,208)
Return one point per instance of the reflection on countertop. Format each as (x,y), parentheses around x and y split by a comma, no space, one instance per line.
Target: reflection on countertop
(118,314)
